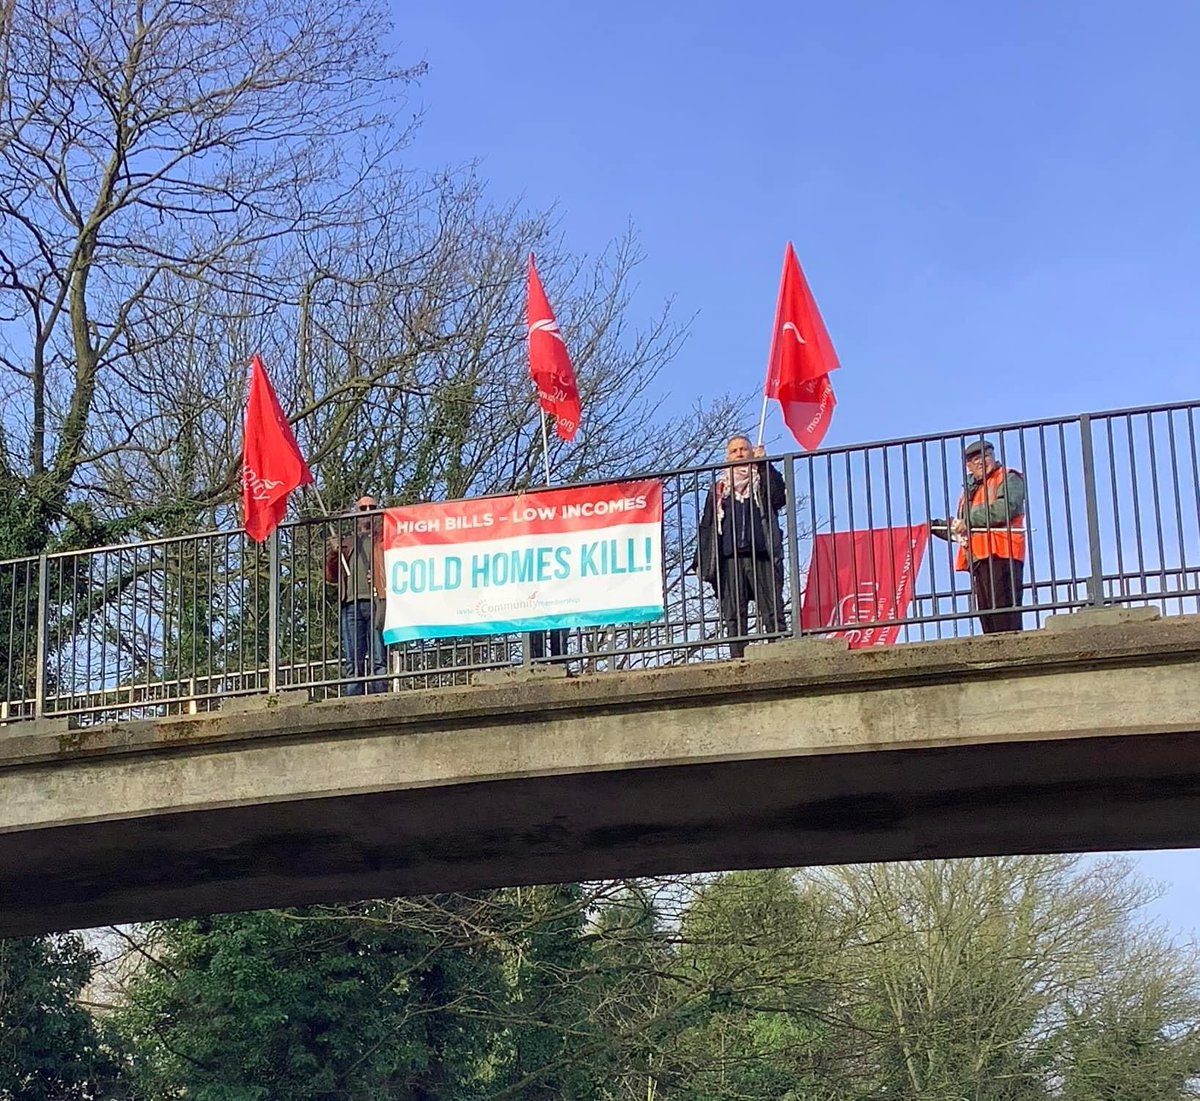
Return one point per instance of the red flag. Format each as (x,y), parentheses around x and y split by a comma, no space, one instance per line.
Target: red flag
(862,577)
(549,364)
(272,465)
(802,356)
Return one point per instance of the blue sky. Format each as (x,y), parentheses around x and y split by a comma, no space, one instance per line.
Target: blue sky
(995,205)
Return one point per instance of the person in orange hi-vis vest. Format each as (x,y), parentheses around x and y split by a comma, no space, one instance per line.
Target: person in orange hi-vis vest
(990,532)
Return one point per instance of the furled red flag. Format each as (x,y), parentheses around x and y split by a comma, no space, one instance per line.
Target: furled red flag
(549,364)
(272,465)
(802,356)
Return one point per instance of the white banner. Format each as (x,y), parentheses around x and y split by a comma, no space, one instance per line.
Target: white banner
(556,558)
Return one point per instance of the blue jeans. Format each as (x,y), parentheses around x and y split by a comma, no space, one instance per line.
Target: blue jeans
(363,651)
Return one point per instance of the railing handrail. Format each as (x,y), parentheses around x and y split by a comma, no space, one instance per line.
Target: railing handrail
(968,433)
(211,609)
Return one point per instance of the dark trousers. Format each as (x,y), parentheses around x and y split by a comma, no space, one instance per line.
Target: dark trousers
(558,643)
(997,583)
(363,652)
(741,579)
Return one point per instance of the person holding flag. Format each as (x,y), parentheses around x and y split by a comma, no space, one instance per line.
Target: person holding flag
(354,563)
(740,547)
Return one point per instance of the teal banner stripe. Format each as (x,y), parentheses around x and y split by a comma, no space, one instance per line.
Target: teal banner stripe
(645,614)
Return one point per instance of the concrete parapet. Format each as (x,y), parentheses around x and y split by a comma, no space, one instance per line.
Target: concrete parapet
(254,705)
(518,674)
(1026,742)
(1090,618)
(797,648)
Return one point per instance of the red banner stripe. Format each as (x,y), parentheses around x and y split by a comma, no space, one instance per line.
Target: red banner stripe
(542,513)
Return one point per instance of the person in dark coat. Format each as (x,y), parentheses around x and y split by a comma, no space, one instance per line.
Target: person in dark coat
(740,552)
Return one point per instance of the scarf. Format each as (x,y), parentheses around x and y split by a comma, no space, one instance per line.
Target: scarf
(742,480)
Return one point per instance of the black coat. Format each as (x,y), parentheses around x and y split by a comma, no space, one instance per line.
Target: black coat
(708,552)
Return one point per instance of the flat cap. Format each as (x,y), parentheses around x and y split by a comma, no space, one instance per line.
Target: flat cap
(978,447)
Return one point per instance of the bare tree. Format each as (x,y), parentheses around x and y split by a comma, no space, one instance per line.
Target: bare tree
(402,356)
(151,149)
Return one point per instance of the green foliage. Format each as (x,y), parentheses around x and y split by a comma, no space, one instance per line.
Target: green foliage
(556,1049)
(1137,1037)
(310,1005)
(757,946)
(1006,979)
(50,1047)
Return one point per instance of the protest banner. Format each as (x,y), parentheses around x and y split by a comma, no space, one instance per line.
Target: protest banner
(581,557)
(861,582)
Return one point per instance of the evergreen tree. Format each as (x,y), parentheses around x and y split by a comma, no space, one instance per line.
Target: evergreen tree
(309,1005)
(558,1052)
(51,1049)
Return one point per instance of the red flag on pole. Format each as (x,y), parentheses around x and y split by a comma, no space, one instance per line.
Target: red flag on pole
(802,356)
(272,465)
(549,364)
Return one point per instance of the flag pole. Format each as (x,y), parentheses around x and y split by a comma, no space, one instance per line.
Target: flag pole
(325,512)
(545,446)
(762,419)
(320,503)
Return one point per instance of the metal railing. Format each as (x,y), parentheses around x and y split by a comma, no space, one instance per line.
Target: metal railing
(175,625)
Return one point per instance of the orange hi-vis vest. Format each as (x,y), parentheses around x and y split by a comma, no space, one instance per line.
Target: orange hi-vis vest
(998,541)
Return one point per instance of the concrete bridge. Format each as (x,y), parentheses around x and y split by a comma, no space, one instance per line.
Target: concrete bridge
(1082,736)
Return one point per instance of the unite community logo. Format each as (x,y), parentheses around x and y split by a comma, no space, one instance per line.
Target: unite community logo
(547,325)
(260,489)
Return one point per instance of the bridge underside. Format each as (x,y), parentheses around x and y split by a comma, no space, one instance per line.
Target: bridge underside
(1059,740)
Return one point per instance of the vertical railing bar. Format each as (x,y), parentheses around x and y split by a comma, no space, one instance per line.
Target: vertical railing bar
(1046,510)
(196,556)
(210,606)
(1096,580)
(933,556)
(1155,497)
(1137,505)
(1137,509)
(103,616)
(1177,498)
(67,649)
(956,592)
(684,605)
(273,612)
(887,515)
(848,484)
(9,672)
(811,463)
(147,691)
(1191,421)
(1068,497)
(793,541)
(1112,472)
(1195,464)
(43,627)
(870,453)
(1030,544)
(908,521)
(832,521)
